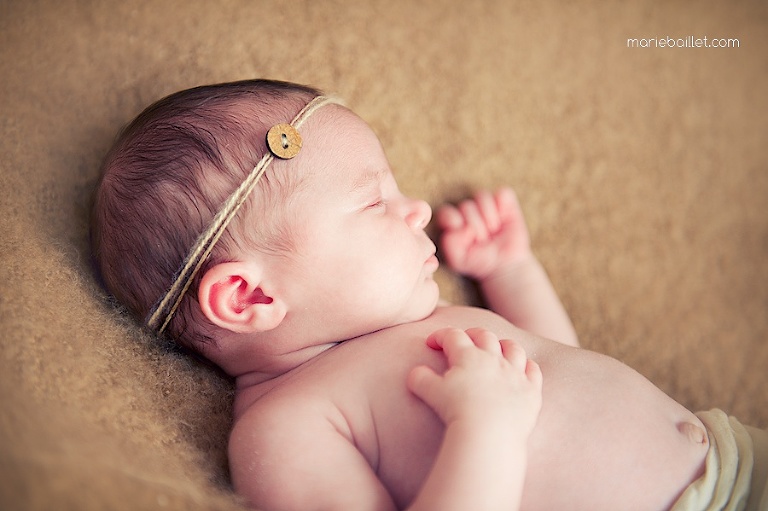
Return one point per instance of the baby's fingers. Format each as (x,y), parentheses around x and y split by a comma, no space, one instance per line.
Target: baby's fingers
(514,353)
(451,341)
(473,217)
(516,356)
(533,372)
(489,211)
(485,340)
(449,218)
(508,204)
(424,383)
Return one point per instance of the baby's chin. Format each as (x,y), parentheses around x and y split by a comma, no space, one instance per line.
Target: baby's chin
(427,308)
(413,312)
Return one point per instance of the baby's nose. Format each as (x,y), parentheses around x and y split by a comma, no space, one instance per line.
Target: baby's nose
(419,214)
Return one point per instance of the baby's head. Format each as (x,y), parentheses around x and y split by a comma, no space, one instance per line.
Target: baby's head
(297,258)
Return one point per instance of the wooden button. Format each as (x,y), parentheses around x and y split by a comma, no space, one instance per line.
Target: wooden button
(284,141)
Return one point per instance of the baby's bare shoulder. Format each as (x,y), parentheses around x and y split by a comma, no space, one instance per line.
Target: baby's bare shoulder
(275,440)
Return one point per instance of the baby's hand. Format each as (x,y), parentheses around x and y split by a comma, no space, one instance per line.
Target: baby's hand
(484,234)
(487,380)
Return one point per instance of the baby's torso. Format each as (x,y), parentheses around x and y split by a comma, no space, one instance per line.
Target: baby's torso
(606,437)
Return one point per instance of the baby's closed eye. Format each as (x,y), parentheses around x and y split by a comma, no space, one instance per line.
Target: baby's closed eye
(377,204)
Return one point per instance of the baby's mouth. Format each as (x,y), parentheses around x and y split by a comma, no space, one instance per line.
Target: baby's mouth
(432,263)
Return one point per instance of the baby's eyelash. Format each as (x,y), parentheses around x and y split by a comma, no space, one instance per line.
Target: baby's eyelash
(378,203)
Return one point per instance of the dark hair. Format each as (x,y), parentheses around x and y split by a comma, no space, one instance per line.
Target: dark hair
(167,175)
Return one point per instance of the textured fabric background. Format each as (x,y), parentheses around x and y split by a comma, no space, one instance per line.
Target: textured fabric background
(643,174)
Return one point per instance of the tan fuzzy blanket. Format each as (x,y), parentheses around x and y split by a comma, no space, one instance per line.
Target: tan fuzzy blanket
(643,173)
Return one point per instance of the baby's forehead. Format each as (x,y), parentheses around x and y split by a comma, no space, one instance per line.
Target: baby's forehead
(338,128)
(341,152)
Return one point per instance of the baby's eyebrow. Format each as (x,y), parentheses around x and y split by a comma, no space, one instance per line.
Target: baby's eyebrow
(368,179)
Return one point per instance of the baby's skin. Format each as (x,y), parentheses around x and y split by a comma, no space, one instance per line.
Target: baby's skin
(346,425)
(348,429)
(462,397)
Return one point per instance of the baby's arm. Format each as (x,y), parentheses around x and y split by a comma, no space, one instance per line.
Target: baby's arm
(283,454)
(489,399)
(486,238)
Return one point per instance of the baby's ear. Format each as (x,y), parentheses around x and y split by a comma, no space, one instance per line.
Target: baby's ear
(232,296)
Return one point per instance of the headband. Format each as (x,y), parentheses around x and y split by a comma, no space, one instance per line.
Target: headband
(284,142)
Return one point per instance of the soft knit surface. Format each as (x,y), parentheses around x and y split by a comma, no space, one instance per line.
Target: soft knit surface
(643,173)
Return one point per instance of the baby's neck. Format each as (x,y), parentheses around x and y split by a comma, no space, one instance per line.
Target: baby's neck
(252,385)
(252,370)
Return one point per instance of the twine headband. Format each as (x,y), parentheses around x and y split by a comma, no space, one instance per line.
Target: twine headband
(284,142)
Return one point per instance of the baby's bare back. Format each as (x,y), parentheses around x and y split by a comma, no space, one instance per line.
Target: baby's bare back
(606,437)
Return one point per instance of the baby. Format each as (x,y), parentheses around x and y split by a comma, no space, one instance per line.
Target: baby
(259,224)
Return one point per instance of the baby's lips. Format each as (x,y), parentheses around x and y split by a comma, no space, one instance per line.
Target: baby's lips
(432,263)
